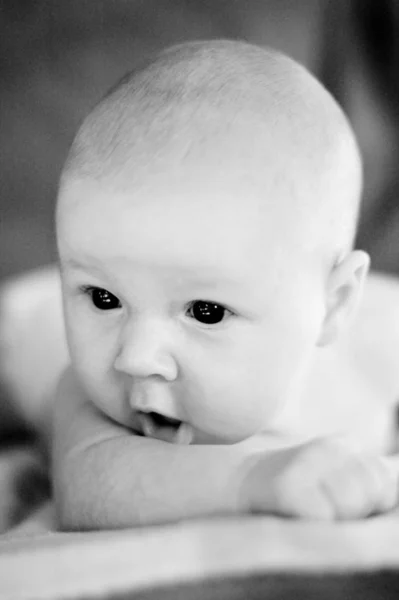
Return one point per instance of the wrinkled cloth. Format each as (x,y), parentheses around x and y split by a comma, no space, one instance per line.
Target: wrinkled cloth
(191,560)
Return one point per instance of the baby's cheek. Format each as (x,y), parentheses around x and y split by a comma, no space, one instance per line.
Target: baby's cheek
(255,399)
(93,362)
(226,409)
(222,387)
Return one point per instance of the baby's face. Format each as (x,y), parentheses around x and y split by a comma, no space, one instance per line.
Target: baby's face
(189,315)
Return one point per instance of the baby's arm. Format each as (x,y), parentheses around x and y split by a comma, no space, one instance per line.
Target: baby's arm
(106,477)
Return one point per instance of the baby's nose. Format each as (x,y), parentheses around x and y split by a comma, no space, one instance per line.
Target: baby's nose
(146,350)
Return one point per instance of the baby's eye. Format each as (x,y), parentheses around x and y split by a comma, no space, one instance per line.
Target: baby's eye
(103,299)
(208,313)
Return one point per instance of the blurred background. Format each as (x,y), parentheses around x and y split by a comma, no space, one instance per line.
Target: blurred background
(57,59)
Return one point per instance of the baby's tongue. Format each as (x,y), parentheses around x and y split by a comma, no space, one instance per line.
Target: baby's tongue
(165,429)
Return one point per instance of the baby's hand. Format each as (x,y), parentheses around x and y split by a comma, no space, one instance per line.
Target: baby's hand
(322,480)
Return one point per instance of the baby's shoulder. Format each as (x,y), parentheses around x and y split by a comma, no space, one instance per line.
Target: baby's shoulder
(374,333)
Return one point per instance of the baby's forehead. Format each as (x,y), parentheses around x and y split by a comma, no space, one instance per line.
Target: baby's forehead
(200,240)
(193,221)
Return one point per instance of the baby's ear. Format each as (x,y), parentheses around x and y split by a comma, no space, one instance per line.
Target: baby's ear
(344,291)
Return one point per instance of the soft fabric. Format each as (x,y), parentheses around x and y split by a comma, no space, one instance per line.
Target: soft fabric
(39,563)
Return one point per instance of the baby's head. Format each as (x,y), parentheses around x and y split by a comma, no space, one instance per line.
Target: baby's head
(205,224)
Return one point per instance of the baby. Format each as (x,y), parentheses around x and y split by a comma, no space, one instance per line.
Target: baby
(205,224)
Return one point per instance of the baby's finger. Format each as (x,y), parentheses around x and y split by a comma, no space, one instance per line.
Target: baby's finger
(354,491)
(299,500)
(312,504)
(366,486)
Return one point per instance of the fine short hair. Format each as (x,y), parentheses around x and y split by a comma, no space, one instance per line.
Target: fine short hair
(161,97)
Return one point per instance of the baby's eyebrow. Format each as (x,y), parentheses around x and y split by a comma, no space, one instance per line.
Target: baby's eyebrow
(70,262)
(76,265)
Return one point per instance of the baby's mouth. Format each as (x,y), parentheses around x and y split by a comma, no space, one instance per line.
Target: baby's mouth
(160,427)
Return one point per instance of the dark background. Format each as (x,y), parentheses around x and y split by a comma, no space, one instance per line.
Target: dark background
(58,57)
